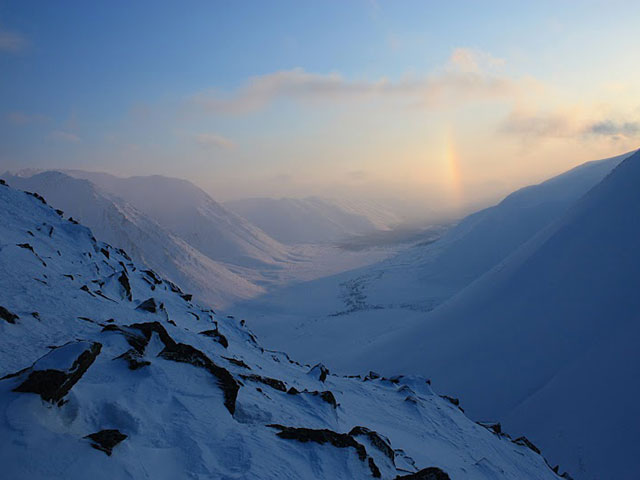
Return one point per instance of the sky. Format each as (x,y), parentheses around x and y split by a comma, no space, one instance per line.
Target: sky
(439,104)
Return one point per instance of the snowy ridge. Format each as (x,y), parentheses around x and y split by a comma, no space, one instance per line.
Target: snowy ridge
(121,224)
(302,220)
(111,371)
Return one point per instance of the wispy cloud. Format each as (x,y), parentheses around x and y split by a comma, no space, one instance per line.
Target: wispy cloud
(62,136)
(12,41)
(214,140)
(565,124)
(469,75)
(539,124)
(613,128)
(23,118)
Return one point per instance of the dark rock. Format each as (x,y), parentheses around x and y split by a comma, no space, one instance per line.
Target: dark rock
(68,276)
(59,212)
(375,471)
(123,253)
(35,315)
(493,427)
(377,440)
(272,382)
(105,440)
(327,396)
(8,316)
(149,305)
(372,376)
(430,473)
(524,441)
(123,279)
(181,352)
(134,359)
(39,197)
(73,221)
(320,371)
(52,384)
(293,391)
(217,336)
(236,362)
(152,275)
(2,182)
(173,287)
(187,297)
(105,252)
(322,436)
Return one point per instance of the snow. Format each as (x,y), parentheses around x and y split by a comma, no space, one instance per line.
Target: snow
(545,341)
(173,413)
(330,317)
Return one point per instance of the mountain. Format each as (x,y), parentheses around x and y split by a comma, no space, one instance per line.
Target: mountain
(302,220)
(121,224)
(110,371)
(342,313)
(547,341)
(191,214)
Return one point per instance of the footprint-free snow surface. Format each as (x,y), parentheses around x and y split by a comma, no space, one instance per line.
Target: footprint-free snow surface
(109,371)
(547,342)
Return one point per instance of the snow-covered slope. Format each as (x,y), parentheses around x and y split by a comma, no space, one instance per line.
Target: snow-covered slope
(190,213)
(124,226)
(301,220)
(344,312)
(109,371)
(547,341)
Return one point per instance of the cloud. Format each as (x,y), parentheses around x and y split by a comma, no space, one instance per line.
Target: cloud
(12,42)
(565,124)
(612,128)
(467,76)
(62,136)
(214,140)
(357,175)
(550,125)
(22,118)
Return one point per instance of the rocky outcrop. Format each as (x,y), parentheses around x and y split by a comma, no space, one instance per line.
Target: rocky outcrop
(272,382)
(322,436)
(181,352)
(8,316)
(377,440)
(149,305)
(105,440)
(217,336)
(430,473)
(52,384)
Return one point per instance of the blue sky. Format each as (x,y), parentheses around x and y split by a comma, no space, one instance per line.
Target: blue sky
(337,97)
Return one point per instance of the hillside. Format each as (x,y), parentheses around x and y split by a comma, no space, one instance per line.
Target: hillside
(191,214)
(557,322)
(124,226)
(110,371)
(302,220)
(331,317)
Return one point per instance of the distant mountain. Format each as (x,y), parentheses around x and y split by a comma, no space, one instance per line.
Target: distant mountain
(109,371)
(191,214)
(302,220)
(343,312)
(547,341)
(123,225)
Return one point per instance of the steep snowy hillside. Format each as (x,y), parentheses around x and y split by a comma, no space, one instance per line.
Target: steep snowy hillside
(109,371)
(344,312)
(124,226)
(301,220)
(188,212)
(547,341)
